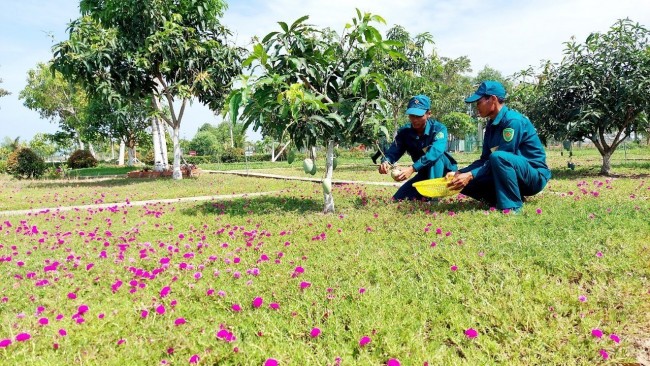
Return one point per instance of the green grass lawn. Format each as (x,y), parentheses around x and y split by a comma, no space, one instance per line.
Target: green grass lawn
(412,277)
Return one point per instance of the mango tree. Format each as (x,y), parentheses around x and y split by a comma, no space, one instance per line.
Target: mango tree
(172,51)
(598,92)
(315,86)
(58,100)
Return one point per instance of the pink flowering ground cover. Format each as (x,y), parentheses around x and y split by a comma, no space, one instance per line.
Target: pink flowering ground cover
(272,281)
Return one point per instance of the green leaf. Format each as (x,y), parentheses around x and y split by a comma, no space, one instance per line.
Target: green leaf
(297,22)
(269,36)
(235,103)
(284,27)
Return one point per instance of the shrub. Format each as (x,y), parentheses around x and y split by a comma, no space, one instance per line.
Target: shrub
(3,166)
(25,163)
(81,159)
(232,155)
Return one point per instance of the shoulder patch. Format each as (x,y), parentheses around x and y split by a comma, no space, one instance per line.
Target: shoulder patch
(508,134)
(440,135)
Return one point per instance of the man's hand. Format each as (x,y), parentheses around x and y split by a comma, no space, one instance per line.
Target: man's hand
(384,167)
(458,180)
(406,174)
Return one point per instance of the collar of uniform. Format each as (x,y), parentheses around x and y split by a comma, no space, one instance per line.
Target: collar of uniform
(428,127)
(500,115)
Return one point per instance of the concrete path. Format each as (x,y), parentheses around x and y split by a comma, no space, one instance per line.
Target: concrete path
(284,177)
(198,198)
(135,203)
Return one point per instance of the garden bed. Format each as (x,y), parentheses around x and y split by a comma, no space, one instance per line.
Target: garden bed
(187,173)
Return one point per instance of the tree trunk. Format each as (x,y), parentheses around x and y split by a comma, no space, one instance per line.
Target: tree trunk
(162,128)
(120,159)
(275,157)
(159,164)
(92,150)
(131,151)
(81,143)
(329,168)
(606,167)
(177,174)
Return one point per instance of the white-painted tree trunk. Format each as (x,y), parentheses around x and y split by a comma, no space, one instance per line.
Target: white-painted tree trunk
(275,157)
(120,159)
(177,174)
(162,128)
(92,150)
(131,151)
(329,169)
(160,163)
(81,143)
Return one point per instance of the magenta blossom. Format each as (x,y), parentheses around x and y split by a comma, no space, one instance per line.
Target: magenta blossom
(315,332)
(597,333)
(5,343)
(62,332)
(393,362)
(160,309)
(236,307)
(364,341)
(471,333)
(23,337)
(604,354)
(179,321)
(271,362)
(304,285)
(274,306)
(614,338)
(194,359)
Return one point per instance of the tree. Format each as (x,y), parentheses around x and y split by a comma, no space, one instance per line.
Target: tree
(42,145)
(57,100)
(3,92)
(147,48)
(316,87)
(599,91)
(127,122)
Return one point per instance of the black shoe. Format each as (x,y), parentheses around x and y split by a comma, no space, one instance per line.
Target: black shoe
(374,160)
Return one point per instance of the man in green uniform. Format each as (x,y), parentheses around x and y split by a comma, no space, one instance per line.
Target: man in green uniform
(513,161)
(425,140)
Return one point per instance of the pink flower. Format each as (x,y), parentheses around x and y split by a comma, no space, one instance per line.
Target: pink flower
(271,362)
(599,254)
(194,359)
(393,362)
(121,341)
(274,305)
(62,332)
(364,341)
(315,332)
(614,338)
(582,298)
(471,333)
(539,211)
(362,290)
(257,302)
(82,309)
(179,321)
(304,285)
(72,296)
(454,268)
(43,321)
(165,291)
(23,337)
(144,314)
(5,343)
(236,307)
(597,333)
(160,309)
(603,354)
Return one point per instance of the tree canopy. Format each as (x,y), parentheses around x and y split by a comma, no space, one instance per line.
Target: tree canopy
(599,91)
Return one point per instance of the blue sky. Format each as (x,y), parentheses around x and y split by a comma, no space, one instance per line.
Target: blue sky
(507,35)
